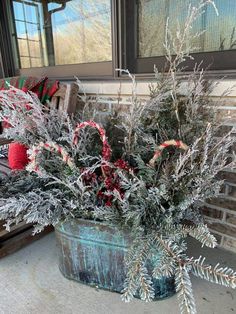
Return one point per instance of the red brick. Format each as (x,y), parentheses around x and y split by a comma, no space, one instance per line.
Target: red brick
(213,213)
(227,115)
(230,218)
(232,191)
(120,108)
(223,228)
(228,176)
(224,203)
(232,148)
(229,244)
(223,130)
(102,106)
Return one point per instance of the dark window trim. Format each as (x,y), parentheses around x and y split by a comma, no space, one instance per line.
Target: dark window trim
(129,30)
(6,44)
(211,60)
(219,63)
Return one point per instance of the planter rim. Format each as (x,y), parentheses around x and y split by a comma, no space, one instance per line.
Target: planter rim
(90,223)
(86,221)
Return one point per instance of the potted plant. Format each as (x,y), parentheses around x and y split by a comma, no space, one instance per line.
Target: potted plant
(139,203)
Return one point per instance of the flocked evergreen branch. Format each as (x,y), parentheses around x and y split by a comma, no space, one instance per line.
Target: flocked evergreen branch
(218,274)
(165,267)
(146,290)
(132,120)
(184,290)
(137,274)
(37,207)
(202,234)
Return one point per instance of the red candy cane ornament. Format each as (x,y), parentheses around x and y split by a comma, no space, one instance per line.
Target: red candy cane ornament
(160,148)
(106,150)
(52,147)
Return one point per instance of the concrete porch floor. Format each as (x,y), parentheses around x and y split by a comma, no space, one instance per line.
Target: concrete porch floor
(30,283)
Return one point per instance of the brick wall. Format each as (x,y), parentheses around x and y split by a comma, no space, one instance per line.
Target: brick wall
(220,213)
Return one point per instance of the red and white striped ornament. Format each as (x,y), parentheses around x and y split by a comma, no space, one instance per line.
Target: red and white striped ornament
(106,150)
(52,147)
(160,148)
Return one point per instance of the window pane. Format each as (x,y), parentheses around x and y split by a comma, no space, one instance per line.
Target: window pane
(30,13)
(23,48)
(220,33)
(152,16)
(18,10)
(34,49)
(33,31)
(21,29)
(35,62)
(76,31)
(84,28)
(25,62)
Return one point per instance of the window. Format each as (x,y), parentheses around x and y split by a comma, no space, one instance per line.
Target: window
(216,46)
(62,32)
(90,38)
(220,33)
(28,34)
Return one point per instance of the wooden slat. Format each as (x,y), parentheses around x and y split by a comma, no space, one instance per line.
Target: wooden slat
(61,91)
(4,168)
(71,97)
(4,141)
(1,225)
(20,240)
(4,234)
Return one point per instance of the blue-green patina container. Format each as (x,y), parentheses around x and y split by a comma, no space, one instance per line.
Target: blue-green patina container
(93,253)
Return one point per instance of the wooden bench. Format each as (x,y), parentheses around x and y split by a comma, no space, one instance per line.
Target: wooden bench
(20,235)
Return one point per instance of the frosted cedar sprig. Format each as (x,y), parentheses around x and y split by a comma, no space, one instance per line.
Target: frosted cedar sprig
(52,147)
(160,148)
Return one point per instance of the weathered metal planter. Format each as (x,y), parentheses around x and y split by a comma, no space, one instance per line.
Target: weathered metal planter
(93,253)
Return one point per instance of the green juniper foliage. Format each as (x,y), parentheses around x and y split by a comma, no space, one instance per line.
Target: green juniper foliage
(160,203)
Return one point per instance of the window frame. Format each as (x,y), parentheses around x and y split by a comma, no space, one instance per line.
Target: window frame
(91,70)
(218,63)
(8,67)
(124,21)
